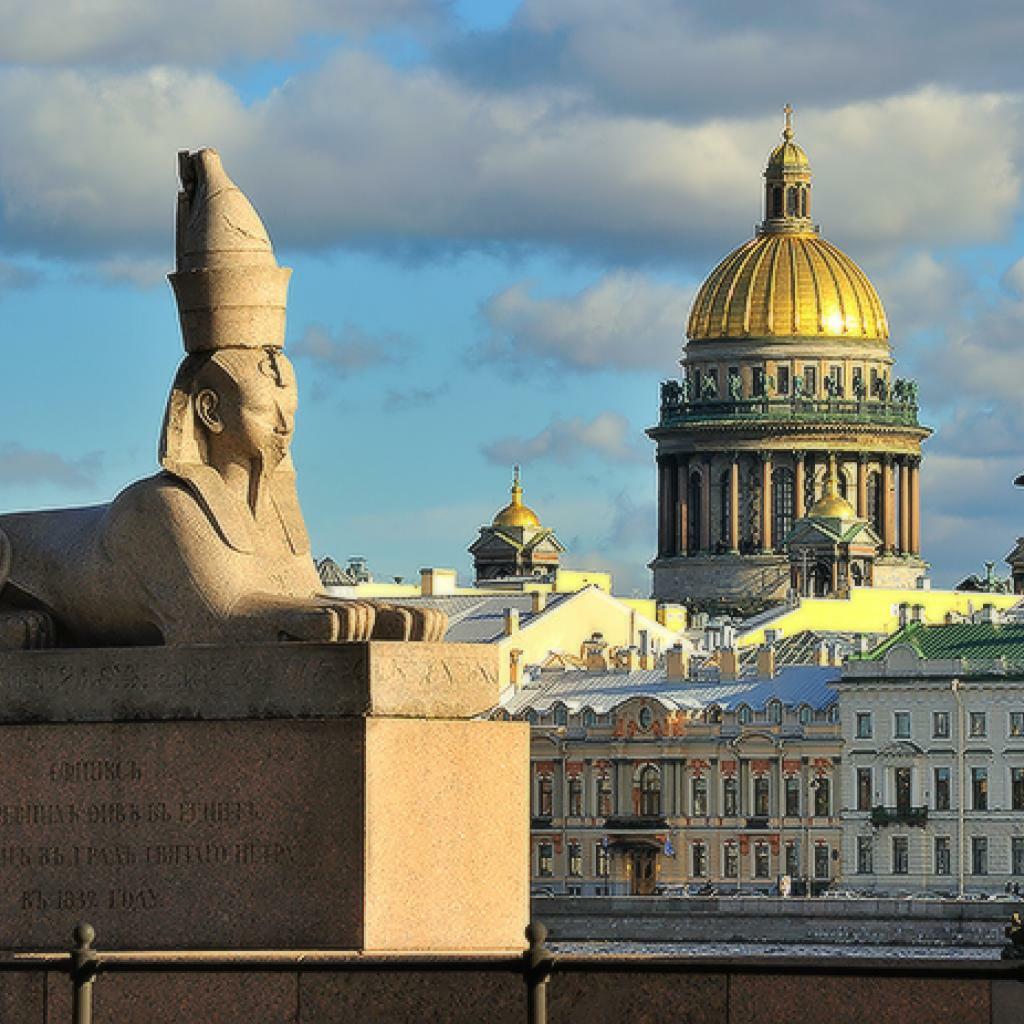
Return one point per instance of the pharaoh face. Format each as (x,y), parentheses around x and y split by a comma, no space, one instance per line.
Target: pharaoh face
(249,413)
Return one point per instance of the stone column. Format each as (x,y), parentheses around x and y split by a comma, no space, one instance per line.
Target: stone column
(766,501)
(904,505)
(888,505)
(862,485)
(915,506)
(663,506)
(800,485)
(734,503)
(682,525)
(705,507)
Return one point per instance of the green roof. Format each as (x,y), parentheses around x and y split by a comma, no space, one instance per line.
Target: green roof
(971,641)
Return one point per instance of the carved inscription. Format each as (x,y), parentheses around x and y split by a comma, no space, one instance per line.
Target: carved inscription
(148,835)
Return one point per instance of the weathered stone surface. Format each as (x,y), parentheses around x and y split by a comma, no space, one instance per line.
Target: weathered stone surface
(341,834)
(248,681)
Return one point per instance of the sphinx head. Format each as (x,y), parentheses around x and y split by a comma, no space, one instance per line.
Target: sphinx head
(233,407)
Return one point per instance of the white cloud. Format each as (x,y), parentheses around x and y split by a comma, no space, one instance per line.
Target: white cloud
(363,154)
(188,32)
(624,321)
(608,435)
(21,465)
(349,350)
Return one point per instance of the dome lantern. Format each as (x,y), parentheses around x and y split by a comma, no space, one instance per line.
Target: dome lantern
(787,190)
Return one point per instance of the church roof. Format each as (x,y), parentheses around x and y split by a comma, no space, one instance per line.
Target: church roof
(970,641)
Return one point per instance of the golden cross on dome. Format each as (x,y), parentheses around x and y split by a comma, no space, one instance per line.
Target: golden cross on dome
(787,132)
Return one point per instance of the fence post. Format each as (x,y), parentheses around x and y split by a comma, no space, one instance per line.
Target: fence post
(84,964)
(538,969)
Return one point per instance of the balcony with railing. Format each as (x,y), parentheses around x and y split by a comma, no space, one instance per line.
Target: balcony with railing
(895,407)
(914,816)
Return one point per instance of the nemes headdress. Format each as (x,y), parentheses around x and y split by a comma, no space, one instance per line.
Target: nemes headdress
(230,291)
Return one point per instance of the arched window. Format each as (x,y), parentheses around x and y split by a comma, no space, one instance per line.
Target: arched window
(776,208)
(531,716)
(783,504)
(775,712)
(650,791)
(805,715)
(803,202)
(874,509)
(561,715)
(745,715)
(843,483)
(694,512)
(725,505)
(589,718)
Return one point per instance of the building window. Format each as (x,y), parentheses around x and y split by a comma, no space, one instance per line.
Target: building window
(978,724)
(730,860)
(700,860)
(979,855)
(761,796)
(821,797)
(874,511)
(942,788)
(645,719)
(730,797)
(699,790)
(1017,723)
(811,380)
(901,725)
(902,778)
(858,381)
(757,382)
(792,796)
(762,861)
(806,715)
(943,860)
(575,796)
(821,855)
(650,791)
(792,859)
(864,789)
(604,795)
(601,860)
(1017,788)
(782,379)
(783,504)
(900,855)
(589,718)
(775,712)
(940,725)
(545,860)
(745,715)
(865,855)
(863,731)
(693,519)
(725,507)
(575,859)
(979,789)
(545,792)
(1017,855)
(835,374)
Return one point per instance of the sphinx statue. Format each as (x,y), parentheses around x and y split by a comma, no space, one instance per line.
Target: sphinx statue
(213,548)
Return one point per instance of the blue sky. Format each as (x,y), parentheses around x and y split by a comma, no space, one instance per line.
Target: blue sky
(497,214)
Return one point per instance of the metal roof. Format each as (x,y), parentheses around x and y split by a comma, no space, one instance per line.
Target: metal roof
(971,641)
(603,691)
(480,618)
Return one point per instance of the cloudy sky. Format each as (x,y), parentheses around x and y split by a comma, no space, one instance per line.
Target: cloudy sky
(498,212)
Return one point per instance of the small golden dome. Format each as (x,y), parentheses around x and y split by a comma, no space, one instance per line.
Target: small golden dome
(515,513)
(831,505)
(787,285)
(787,156)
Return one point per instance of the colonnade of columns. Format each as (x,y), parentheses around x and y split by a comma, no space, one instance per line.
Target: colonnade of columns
(683,530)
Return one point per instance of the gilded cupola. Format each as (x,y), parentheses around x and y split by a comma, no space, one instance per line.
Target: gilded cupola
(787,281)
(515,513)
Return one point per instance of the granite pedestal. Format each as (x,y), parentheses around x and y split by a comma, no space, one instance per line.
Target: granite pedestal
(278,796)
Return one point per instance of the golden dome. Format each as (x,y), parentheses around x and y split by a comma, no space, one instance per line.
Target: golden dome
(786,285)
(515,513)
(787,281)
(831,505)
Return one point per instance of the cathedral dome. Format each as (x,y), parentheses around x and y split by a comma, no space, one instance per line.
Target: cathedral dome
(787,285)
(787,281)
(515,513)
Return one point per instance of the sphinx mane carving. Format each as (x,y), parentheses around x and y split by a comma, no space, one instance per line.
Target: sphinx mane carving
(214,547)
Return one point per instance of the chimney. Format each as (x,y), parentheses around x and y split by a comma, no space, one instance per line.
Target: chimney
(513,668)
(511,621)
(766,661)
(677,664)
(821,655)
(594,654)
(728,664)
(628,659)
(435,582)
(538,601)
